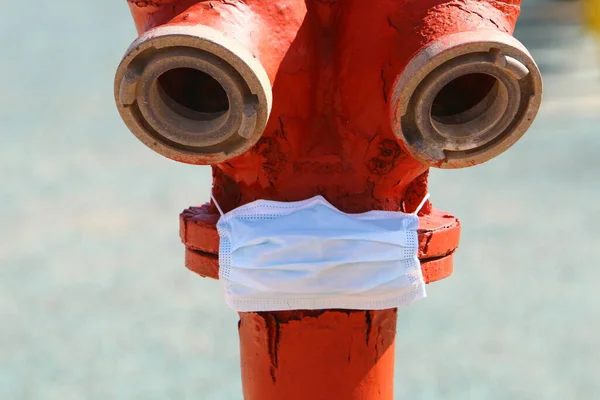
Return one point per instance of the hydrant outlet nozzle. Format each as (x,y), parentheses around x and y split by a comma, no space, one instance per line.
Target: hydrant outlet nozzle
(193,94)
(466,98)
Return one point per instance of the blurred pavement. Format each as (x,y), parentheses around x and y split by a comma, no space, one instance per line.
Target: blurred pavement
(95,302)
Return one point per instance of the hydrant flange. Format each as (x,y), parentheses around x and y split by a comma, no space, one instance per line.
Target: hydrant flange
(439,234)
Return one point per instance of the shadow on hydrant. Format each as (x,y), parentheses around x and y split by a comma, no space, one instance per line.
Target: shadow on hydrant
(351,100)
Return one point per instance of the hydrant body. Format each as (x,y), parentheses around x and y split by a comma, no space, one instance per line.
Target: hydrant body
(351,100)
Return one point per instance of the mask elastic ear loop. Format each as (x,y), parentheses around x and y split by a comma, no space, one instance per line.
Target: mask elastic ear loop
(422,204)
(216,204)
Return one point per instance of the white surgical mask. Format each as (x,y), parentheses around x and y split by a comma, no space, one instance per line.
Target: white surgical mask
(308,255)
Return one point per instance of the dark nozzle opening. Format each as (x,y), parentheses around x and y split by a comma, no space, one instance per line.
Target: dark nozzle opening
(193,90)
(469,109)
(460,95)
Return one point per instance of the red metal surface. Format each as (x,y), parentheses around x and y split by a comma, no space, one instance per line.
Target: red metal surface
(288,361)
(332,65)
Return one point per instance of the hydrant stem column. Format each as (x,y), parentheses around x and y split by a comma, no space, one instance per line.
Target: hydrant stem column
(334,354)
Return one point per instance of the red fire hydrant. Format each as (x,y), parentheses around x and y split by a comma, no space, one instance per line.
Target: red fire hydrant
(351,100)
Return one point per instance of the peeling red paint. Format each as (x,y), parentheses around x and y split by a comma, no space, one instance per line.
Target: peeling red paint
(285,362)
(332,65)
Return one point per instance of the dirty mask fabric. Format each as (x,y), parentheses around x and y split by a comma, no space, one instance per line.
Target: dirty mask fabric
(308,255)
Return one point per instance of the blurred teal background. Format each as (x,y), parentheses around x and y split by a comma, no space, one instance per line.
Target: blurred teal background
(95,302)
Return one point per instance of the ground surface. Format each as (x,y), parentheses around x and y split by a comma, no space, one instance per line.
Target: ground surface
(95,302)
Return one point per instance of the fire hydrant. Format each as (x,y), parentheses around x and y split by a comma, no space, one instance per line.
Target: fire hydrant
(350,100)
